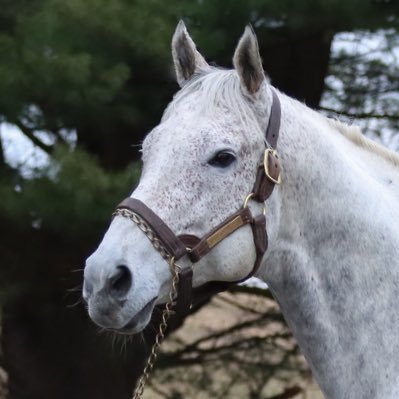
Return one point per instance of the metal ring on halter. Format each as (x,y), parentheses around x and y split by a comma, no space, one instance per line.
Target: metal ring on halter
(248,197)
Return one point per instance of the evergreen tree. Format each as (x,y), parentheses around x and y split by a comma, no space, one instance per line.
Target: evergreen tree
(84,80)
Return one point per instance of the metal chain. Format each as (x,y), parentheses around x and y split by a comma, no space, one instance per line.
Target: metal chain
(138,392)
(143,226)
(146,229)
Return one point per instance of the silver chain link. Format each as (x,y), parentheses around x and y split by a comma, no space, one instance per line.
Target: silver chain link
(146,229)
(143,226)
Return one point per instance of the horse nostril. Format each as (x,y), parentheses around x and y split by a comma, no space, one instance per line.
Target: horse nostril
(120,282)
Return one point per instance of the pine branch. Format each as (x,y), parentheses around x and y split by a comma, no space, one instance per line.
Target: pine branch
(29,133)
(362,115)
(289,393)
(237,305)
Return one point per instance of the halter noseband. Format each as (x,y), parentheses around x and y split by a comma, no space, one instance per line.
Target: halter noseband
(175,247)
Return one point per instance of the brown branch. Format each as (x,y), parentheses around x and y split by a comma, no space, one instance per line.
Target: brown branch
(29,133)
(2,158)
(228,352)
(196,353)
(362,115)
(288,393)
(237,305)
(239,326)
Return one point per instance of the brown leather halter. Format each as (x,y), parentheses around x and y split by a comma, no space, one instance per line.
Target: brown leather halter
(268,175)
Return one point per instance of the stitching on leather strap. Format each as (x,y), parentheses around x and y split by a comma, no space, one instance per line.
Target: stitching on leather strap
(228,226)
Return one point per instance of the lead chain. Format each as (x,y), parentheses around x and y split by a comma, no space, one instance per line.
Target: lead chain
(143,226)
(138,392)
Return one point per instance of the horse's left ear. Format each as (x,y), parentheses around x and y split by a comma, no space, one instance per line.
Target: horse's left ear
(186,57)
(247,61)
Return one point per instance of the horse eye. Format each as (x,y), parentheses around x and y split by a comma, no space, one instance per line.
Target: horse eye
(222,159)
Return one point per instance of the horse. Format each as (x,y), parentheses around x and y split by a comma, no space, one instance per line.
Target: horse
(332,262)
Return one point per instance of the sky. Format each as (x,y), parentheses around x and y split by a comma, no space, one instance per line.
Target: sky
(371,47)
(20,152)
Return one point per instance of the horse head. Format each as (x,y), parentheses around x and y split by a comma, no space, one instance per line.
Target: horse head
(199,164)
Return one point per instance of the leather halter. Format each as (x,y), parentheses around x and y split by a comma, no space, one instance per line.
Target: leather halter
(268,175)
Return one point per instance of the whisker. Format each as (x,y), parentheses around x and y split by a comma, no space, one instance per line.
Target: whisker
(77,270)
(75,289)
(73,305)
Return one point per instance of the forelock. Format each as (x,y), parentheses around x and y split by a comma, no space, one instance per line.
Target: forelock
(216,90)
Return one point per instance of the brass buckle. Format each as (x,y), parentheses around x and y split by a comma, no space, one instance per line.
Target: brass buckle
(248,197)
(266,165)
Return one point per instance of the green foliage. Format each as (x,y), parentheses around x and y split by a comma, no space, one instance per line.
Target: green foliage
(73,201)
(218,24)
(72,60)
(95,65)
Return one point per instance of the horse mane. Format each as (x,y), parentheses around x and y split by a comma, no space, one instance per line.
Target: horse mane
(355,135)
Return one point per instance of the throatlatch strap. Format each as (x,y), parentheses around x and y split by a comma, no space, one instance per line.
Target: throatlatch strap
(264,186)
(260,240)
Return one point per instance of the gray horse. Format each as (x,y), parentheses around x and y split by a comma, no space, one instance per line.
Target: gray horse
(333,256)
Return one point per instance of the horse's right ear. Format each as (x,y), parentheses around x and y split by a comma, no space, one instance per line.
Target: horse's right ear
(186,57)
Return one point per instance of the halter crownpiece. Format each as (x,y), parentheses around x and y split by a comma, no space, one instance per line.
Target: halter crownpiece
(268,175)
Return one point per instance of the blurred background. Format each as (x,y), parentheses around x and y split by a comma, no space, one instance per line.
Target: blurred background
(81,83)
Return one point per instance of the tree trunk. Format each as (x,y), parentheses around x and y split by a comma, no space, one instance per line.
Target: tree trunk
(298,66)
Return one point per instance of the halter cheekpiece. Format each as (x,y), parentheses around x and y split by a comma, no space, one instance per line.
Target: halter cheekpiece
(175,247)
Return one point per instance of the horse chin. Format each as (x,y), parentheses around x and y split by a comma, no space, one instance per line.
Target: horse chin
(138,322)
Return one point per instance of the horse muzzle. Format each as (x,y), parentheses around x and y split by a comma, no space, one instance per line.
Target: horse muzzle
(107,296)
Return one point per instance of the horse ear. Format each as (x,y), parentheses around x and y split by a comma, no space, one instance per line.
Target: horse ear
(186,57)
(247,61)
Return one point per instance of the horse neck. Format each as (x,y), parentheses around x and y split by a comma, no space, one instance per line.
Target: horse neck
(333,259)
